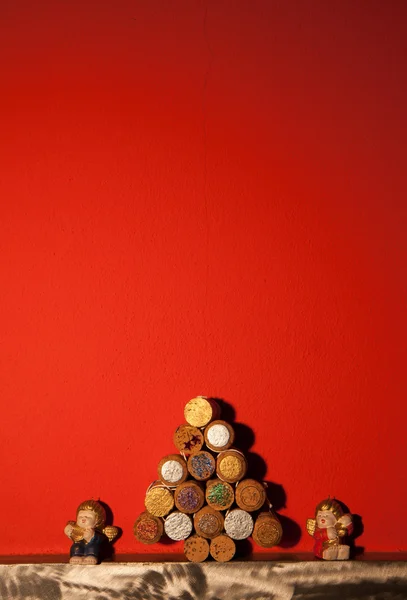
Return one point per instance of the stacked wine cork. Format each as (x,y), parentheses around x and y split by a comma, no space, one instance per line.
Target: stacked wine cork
(202,495)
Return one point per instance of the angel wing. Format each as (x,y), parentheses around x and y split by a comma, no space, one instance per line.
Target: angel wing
(344,525)
(311,524)
(111,532)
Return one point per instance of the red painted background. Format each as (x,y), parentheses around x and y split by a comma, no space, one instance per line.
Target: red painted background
(202,198)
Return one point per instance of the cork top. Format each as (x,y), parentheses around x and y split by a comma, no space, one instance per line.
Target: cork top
(189,497)
(222,548)
(172,470)
(188,439)
(250,495)
(219,435)
(201,465)
(208,522)
(219,494)
(200,411)
(148,529)
(159,500)
(231,465)
(267,530)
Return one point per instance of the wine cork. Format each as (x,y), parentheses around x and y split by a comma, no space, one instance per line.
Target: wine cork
(201,465)
(250,494)
(267,530)
(238,524)
(231,466)
(222,548)
(189,497)
(196,548)
(188,439)
(201,410)
(208,522)
(219,494)
(178,526)
(219,436)
(159,500)
(172,470)
(148,529)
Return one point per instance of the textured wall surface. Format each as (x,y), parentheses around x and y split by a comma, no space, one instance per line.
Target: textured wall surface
(202,197)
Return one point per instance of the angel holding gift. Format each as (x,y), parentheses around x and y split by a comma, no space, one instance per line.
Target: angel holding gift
(328,529)
(89,533)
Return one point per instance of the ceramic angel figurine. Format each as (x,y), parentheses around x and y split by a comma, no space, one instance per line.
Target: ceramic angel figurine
(89,533)
(328,530)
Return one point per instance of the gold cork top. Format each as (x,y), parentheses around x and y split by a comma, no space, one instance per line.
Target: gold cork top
(159,501)
(200,411)
(231,466)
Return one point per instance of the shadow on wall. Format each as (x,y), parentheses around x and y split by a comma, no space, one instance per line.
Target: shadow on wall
(257,469)
(108,550)
(357,531)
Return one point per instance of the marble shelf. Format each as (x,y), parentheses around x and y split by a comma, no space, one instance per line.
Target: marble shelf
(171,577)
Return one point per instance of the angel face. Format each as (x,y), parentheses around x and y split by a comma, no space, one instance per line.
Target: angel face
(86,518)
(325,518)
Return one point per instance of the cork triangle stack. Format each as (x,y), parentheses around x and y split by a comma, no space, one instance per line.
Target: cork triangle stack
(203,495)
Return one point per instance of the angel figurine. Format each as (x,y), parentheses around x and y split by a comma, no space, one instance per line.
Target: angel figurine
(89,534)
(328,530)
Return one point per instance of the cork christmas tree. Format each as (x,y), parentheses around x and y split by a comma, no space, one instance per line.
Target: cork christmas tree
(204,495)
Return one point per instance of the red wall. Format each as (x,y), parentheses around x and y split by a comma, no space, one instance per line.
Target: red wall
(202,198)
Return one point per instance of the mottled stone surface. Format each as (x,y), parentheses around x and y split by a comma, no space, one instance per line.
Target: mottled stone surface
(314,580)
